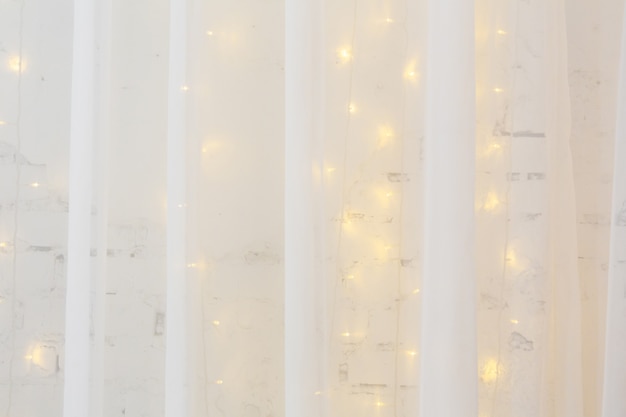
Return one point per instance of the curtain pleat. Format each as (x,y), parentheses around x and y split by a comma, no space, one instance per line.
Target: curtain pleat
(613,400)
(311,208)
(78,296)
(176,364)
(448,383)
(303,83)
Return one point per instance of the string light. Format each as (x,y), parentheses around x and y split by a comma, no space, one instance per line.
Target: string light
(346,334)
(184,88)
(380,403)
(182,205)
(491,370)
(2,122)
(385,136)
(344,54)
(389,20)
(411,352)
(16,64)
(3,245)
(35,184)
(410,73)
(501,32)
(498,90)
(492,202)
(351,108)
(416,291)
(209,33)
(514,321)
(216,322)
(219,382)
(191,265)
(511,258)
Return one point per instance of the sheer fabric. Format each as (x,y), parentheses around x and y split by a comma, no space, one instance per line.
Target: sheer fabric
(307,208)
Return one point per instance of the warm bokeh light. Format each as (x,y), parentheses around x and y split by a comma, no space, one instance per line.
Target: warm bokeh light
(492,202)
(17,64)
(344,54)
(491,370)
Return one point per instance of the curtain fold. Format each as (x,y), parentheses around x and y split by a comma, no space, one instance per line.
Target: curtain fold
(448,315)
(308,208)
(613,402)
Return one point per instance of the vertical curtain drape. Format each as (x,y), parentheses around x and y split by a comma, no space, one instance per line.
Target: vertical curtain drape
(312,208)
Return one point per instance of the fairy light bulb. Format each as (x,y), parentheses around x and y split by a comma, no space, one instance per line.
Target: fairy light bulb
(411,352)
(497,90)
(216,322)
(17,64)
(514,321)
(209,33)
(184,88)
(344,54)
(345,334)
(35,184)
(389,20)
(385,136)
(492,202)
(2,122)
(490,371)
(416,291)
(501,32)
(351,108)
(219,382)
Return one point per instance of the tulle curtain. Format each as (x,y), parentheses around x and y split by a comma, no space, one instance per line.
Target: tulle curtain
(312,208)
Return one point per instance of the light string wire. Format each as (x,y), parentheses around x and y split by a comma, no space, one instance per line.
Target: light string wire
(507,218)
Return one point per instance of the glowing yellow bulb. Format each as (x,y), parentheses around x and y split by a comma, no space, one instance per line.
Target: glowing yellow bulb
(209,33)
(389,194)
(501,32)
(191,265)
(411,352)
(385,136)
(410,73)
(514,321)
(350,277)
(2,122)
(498,90)
(28,357)
(352,108)
(16,64)
(318,392)
(416,291)
(219,382)
(491,370)
(216,322)
(3,244)
(491,202)
(184,88)
(330,170)
(511,257)
(35,184)
(344,54)
(379,403)
(389,20)
(182,205)
(212,147)
(346,334)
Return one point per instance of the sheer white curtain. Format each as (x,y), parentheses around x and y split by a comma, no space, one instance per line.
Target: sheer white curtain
(312,208)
